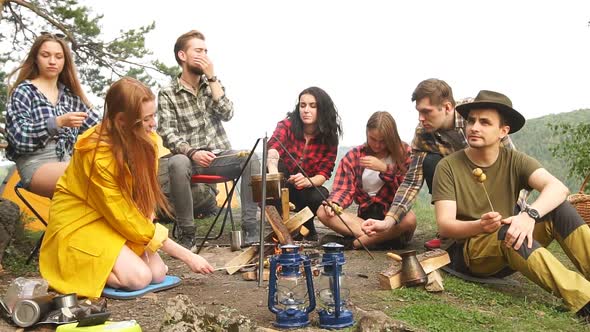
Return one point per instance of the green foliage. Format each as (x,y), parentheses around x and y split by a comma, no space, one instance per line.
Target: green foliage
(99,61)
(537,138)
(573,147)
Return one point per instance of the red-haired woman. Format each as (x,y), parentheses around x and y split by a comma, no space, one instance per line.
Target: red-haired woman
(101,228)
(369,175)
(46,111)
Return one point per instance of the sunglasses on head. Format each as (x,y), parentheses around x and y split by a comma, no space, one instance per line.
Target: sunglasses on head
(54,35)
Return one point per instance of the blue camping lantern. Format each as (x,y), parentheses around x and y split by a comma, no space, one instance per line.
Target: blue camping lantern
(289,289)
(332,293)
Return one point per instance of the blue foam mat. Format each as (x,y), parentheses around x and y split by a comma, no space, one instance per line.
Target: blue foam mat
(121,294)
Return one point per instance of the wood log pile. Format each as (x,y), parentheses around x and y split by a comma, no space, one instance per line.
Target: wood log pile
(282,232)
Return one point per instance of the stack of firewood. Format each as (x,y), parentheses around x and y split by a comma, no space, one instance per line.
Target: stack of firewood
(283,228)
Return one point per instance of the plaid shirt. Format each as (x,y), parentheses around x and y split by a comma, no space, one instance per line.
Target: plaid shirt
(188,120)
(31,121)
(443,142)
(348,181)
(315,158)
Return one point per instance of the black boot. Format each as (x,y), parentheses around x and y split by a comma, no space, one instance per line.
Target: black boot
(185,236)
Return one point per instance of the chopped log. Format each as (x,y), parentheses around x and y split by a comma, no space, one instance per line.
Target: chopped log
(249,254)
(294,223)
(285,203)
(242,259)
(435,282)
(253,275)
(280,229)
(303,231)
(430,261)
(298,219)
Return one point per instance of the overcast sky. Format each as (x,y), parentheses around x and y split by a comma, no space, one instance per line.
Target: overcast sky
(370,55)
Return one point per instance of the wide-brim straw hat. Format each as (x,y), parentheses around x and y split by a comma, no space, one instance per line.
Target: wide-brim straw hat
(497,101)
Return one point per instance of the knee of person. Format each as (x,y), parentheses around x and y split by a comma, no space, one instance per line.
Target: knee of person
(139,279)
(159,273)
(410,220)
(179,162)
(321,214)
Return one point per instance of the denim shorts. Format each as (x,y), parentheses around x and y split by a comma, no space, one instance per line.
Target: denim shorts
(28,164)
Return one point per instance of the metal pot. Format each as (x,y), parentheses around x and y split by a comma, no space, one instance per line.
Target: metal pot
(274,183)
(412,272)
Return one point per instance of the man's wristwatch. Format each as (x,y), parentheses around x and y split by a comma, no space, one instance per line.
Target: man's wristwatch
(212,79)
(532,212)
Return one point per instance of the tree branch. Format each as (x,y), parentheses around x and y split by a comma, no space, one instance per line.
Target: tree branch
(43,14)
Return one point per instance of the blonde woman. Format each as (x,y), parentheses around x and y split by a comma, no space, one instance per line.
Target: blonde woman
(369,175)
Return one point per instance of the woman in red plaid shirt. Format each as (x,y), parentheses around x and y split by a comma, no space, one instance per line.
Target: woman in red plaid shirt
(307,139)
(370,174)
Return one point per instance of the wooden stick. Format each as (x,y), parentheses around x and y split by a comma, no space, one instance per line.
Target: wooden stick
(233,267)
(285,203)
(487,196)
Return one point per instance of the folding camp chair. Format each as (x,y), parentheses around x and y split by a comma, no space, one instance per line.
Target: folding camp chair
(200,178)
(17,189)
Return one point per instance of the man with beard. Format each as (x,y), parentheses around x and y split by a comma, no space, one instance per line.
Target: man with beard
(489,238)
(191,110)
(441,131)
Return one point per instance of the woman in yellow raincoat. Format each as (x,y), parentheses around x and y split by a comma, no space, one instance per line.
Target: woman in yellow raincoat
(101,228)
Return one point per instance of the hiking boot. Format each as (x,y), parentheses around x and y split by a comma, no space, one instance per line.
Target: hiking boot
(347,241)
(185,236)
(432,244)
(251,236)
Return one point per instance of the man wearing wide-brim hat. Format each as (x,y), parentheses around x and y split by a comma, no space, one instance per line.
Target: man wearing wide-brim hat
(477,211)
(440,132)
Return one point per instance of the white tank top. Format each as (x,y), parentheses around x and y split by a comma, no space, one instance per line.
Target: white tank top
(371,180)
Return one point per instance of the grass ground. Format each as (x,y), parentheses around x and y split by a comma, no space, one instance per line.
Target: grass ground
(462,306)
(465,306)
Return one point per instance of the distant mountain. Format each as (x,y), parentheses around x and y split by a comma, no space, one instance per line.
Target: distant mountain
(535,139)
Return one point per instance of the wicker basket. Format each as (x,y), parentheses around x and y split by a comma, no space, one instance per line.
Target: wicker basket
(581,202)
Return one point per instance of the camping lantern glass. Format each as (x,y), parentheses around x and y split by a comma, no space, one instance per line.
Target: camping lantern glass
(332,293)
(290,292)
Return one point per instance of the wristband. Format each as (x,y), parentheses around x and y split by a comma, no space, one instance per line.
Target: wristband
(191,153)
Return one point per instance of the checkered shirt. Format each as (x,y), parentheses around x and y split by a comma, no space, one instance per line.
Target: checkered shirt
(348,181)
(188,120)
(30,121)
(315,158)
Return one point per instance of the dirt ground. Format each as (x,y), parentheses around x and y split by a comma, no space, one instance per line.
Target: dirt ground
(221,290)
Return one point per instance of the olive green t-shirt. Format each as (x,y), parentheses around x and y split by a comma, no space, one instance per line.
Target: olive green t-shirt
(454,181)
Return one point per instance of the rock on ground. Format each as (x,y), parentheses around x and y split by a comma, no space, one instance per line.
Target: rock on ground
(378,321)
(183,316)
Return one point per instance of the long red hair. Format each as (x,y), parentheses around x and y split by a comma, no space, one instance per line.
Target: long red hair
(135,153)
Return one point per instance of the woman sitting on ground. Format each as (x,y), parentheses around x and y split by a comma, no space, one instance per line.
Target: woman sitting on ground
(369,175)
(46,111)
(310,136)
(101,228)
